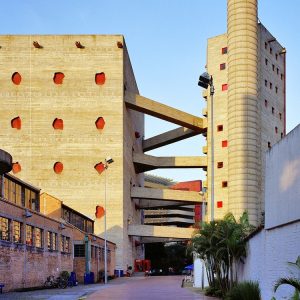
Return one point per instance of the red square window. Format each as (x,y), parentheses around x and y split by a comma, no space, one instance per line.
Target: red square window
(220,128)
(220,165)
(224,87)
(222,66)
(224,184)
(224,144)
(224,50)
(219,204)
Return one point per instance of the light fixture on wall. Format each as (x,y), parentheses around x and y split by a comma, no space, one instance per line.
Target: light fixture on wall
(27,213)
(62,226)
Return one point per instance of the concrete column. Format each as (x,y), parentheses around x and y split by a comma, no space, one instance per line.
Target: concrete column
(243,115)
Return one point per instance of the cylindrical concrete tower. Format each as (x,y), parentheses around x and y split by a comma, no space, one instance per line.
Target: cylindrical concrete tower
(243,122)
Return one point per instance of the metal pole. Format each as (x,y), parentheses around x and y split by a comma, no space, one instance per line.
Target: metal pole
(212,90)
(105,237)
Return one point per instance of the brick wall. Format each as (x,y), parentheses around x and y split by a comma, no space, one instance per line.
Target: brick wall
(29,266)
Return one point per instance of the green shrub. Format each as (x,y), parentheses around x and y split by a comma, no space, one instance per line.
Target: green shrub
(213,291)
(65,275)
(247,290)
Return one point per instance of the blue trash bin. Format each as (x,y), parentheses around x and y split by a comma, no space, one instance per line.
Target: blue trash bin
(92,277)
(86,278)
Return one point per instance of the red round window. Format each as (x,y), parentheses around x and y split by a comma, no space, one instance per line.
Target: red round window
(58,167)
(58,78)
(100,78)
(16,167)
(16,78)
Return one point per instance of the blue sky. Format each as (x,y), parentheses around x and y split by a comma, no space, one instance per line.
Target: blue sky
(167,46)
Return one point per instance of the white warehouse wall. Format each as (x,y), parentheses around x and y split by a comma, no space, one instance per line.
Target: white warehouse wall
(276,244)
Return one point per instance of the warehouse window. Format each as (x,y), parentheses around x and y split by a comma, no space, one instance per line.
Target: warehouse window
(266,103)
(271,51)
(276,56)
(224,184)
(224,144)
(280,116)
(224,87)
(38,237)
(271,85)
(219,204)
(65,244)
(17,232)
(266,82)
(4,229)
(266,61)
(220,128)
(220,165)
(266,45)
(79,250)
(51,241)
(276,89)
(224,50)
(29,235)
(276,129)
(222,66)
(273,110)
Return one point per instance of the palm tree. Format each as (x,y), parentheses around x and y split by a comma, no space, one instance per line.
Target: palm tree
(221,244)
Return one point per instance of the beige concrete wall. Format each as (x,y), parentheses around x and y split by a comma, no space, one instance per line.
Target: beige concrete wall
(79,102)
(133,122)
(272,70)
(220,117)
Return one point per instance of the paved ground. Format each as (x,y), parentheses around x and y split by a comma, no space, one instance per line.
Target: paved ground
(134,288)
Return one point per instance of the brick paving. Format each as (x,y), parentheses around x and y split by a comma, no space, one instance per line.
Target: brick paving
(152,288)
(134,288)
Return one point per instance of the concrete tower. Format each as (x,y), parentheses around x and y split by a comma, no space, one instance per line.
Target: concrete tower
(243,125)
(248,67)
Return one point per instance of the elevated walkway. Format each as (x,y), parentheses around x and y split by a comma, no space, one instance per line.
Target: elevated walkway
(170,137)
(160,231)
(164,112)
(144,162)
(186,197)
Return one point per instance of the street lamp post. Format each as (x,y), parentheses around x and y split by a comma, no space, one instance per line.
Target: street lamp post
(107,162)
(206,80)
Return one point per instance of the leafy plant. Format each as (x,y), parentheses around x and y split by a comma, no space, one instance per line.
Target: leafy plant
(64,275)
(292,281)
(247,290)
(221,244)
